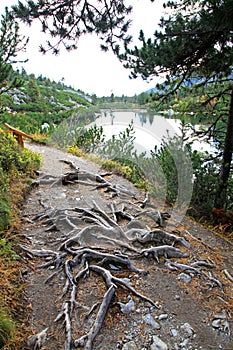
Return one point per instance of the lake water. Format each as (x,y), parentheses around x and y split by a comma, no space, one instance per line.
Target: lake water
(150,128)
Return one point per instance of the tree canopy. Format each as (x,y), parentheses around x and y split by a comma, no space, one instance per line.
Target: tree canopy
(194,38)
(11,43)
(67,20)
(192,49)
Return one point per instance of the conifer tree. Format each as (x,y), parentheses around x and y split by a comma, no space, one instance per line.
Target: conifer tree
(67,20)
(11,43)
(193,49)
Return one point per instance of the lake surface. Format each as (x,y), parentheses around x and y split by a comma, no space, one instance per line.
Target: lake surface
(150,128)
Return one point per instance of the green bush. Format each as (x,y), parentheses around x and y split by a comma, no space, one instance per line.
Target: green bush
(14,163)
(90,139)
(7,328)
(4,210)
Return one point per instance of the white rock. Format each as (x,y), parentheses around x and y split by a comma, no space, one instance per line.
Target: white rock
(158,344)
(130,346)
(174,332)
(163,317)
(148,319)
(187,329)
(216,323)
(127,308)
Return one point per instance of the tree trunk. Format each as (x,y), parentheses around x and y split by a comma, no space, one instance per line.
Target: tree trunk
(220,198)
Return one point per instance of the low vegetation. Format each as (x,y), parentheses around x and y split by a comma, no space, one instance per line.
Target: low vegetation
(161,172)
(17,167)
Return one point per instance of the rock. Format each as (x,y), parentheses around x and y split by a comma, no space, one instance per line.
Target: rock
(186,278)
(130,346)
(216,323)
(184,343)
(61,195)
(174,332)
(187,329)
(158,344)
(113,267)
(127,308)
(162,317)
(221,324)
(126,280)
(148,319)
(39,193)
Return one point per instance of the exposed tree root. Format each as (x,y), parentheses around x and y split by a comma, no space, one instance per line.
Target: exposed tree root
(98,240)
(37,340)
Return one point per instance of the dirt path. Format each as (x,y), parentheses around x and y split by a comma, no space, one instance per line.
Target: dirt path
(193,308)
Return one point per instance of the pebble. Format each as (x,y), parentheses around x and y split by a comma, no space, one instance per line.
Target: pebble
(187,329)
(186,278)
(128,307)
(126,280)
(40,193)
(148,319)
(184,343)
(216,323)
(61,196)
(130,346)
(158,344)
(162,317)
(113,267)
(174,332)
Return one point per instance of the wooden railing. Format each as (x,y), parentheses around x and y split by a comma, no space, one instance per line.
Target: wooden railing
(18,134)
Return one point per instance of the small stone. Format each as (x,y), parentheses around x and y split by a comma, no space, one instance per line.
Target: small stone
(177,297)
(174,332)
(216,323)
(162,317)
(187,329)
(113,267)
(148,319)
(186,278)
(61,195)
(126,280)
(128,307)
(222,315)
(184,343)
(130,346)
(158,344)
(40,193)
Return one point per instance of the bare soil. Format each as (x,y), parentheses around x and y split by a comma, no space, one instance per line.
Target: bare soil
(196,303)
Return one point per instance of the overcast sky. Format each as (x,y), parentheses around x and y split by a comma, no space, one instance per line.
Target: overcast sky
(88,68)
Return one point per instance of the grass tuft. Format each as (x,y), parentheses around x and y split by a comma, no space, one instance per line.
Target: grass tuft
(7,328)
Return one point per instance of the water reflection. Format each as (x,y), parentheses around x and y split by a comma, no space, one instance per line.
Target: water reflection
(150,128)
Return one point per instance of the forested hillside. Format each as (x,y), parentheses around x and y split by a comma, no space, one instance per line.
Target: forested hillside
(40,100)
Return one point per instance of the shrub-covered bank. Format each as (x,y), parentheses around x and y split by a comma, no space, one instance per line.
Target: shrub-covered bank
(17,168)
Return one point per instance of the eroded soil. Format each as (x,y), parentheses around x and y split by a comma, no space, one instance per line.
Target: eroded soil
(186,310)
